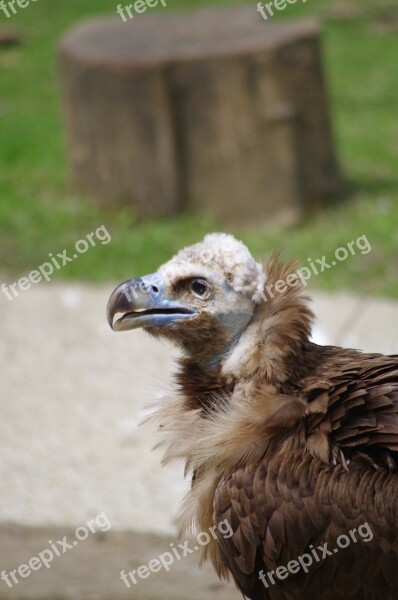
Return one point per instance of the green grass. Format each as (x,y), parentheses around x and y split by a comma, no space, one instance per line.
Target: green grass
(39,214)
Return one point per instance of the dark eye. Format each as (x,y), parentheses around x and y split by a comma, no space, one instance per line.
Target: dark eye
(200,287)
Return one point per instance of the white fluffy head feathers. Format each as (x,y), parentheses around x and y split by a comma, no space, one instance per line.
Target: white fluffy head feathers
(220,254)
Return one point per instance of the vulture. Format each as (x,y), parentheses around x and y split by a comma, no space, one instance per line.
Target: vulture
(294,444)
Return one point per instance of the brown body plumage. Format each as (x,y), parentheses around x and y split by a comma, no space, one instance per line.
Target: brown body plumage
(294,444)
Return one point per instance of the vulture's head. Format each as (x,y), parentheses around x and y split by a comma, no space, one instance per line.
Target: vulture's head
(203,299)
(209,300)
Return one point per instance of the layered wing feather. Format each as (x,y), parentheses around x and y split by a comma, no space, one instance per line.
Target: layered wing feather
(361,396)
(334,474)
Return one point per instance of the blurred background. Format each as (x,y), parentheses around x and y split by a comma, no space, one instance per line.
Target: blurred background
(73,393)
(39,213)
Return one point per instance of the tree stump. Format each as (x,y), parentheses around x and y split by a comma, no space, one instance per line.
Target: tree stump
(213,110)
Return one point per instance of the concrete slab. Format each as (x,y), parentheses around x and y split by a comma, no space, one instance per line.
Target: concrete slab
(374,327)
(367,324)
(334,313)
(73,396)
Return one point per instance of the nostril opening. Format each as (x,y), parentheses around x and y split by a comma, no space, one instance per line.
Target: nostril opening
(155,289)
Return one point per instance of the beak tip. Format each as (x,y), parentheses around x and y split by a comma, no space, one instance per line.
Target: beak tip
(110,321)
(110,313)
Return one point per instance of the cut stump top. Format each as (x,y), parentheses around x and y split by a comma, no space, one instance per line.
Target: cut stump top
(158,38)
(214,110)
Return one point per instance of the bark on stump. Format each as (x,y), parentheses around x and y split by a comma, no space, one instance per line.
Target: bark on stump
(215,110)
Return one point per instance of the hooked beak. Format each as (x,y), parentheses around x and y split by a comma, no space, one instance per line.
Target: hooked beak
(142,303)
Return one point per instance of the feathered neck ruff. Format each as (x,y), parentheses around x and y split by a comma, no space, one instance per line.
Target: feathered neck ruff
(280,327)
(217,419)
